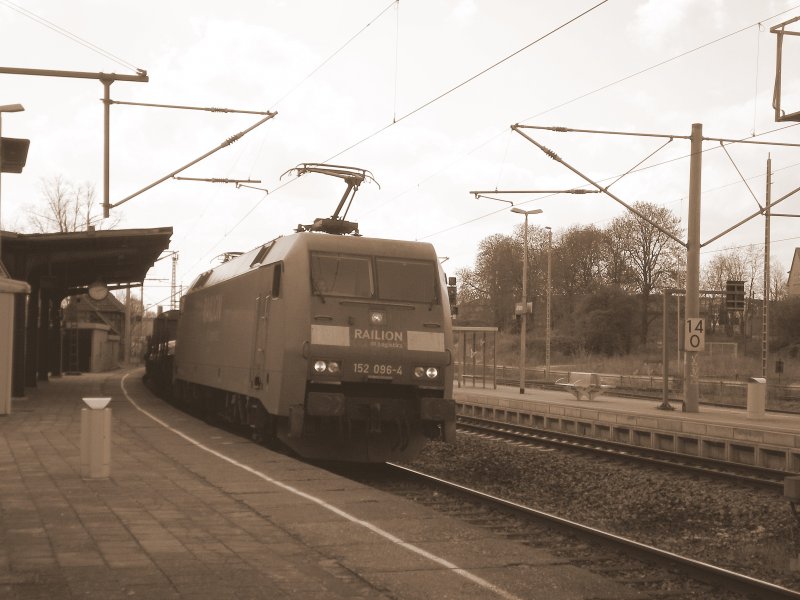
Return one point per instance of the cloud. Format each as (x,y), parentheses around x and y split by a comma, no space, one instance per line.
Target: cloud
(465,10)
(656,18)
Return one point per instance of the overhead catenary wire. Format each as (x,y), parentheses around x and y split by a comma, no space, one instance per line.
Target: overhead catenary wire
(759,29)
(68,34)
(458,86)
(658,64)
(594,91)
(419,108)
(327,60)
(396,57)
(671,160)
(504,130)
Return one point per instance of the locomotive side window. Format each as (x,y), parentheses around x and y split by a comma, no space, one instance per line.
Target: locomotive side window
(341,275)
(406,280)
(276,280)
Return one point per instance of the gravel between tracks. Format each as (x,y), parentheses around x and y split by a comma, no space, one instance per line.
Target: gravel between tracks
(746,530)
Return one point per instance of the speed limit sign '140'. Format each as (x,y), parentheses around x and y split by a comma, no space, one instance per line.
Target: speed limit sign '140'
(695,335)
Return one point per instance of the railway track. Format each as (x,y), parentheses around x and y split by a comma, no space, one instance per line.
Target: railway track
(747,474)
(655,572)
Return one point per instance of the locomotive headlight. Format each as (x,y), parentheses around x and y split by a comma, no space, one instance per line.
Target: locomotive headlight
(377,317)
(331,367)
(429,372)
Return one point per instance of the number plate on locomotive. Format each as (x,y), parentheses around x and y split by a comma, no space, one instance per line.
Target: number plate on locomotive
(377,369)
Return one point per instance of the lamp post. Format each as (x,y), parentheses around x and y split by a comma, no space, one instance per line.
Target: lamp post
(524,326)
(4,109)
(549,294)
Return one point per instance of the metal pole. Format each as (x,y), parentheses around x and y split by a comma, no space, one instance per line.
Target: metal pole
(665,405)
(691,367)
(106,142)
(678,324)
(1,168)
(549,294)
(522,331)
(765,309)
(126,356)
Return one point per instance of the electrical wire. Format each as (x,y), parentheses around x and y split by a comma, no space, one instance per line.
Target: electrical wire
(657,65)
(759,29)
(671,160)
(68,34)
(585,95)
(396,57)
(327,60)
(419,108)
(467,81)
(495,136)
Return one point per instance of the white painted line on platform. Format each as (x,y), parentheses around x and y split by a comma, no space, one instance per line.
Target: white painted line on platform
(353,519)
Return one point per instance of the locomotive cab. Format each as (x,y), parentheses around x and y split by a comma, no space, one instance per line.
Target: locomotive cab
(378,359)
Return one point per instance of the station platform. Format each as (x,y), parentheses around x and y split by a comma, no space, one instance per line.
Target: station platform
(191,511)
(727,434)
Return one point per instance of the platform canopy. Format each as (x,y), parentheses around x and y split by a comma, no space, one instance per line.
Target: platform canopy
(71,262)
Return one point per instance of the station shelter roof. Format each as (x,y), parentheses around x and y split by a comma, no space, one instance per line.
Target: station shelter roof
(70,262)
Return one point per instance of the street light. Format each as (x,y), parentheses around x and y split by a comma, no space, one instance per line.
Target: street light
(4,109)
(549,294)
(523,328)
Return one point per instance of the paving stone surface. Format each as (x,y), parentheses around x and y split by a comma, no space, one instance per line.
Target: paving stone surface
(176,521)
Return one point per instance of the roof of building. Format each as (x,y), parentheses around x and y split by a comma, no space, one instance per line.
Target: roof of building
(70,262)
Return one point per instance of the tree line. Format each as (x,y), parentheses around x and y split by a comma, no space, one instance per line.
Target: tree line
(605,282)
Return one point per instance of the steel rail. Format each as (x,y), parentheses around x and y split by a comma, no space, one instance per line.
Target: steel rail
(703,571)
(771,479)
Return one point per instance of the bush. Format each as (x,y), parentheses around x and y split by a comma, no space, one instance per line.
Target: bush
(605,322)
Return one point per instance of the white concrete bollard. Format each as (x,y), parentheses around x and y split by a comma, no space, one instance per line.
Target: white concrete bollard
(8,287)
(756,397)
(96,439)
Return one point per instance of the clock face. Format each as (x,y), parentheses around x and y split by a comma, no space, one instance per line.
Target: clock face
(97,291)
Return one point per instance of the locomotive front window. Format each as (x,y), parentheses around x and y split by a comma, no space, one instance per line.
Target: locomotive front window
(406,280)
(341,275)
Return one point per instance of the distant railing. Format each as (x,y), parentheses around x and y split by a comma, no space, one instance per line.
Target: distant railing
(779,397)
(476,355)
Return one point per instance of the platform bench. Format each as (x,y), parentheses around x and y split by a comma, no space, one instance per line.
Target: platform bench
(581,384)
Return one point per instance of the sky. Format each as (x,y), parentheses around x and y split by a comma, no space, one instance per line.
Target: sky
(422,93)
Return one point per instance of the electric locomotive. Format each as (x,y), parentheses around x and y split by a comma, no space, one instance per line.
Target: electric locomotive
(338,346)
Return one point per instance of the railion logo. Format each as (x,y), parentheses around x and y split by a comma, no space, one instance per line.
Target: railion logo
(377,335)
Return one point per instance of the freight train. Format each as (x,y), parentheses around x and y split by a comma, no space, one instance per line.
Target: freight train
(337,346)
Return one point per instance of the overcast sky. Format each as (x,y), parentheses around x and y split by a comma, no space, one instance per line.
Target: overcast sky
(358,83)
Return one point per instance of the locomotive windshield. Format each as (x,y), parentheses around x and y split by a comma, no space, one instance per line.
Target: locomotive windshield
(341,275)
(406,280)
(352,276)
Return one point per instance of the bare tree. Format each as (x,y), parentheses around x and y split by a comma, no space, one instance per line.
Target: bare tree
(67,207)
(778,288)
